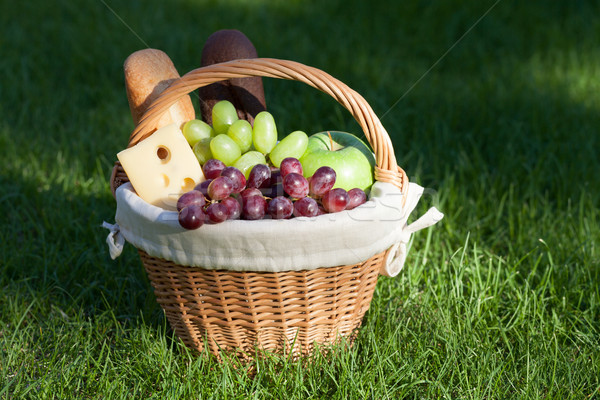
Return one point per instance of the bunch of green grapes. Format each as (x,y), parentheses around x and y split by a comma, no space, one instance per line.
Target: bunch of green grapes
(237,143)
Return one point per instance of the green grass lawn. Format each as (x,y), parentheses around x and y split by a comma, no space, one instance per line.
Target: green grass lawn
(500,300)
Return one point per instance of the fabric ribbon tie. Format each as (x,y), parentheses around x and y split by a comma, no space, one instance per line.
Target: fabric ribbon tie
(115,240)
(397,253)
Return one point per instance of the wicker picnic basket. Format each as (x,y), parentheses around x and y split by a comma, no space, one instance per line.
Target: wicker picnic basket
(289,311)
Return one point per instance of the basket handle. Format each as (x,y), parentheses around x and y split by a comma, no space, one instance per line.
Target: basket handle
(386,168)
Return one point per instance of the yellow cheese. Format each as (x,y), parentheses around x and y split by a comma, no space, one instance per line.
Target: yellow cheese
(162,167)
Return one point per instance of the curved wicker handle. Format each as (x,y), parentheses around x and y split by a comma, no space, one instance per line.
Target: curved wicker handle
(386,169)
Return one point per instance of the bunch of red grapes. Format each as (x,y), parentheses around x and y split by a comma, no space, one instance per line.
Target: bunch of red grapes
(267,193)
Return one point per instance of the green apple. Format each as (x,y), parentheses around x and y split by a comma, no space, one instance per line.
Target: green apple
(350,157)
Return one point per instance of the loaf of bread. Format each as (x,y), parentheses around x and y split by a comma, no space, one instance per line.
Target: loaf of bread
(147,73)
(246,94)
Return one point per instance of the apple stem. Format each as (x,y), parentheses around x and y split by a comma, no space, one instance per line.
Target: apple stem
(330,140)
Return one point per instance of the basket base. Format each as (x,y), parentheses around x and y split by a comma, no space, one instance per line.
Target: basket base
(280,312)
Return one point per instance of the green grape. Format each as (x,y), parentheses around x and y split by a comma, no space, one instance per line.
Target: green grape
(202,150)
(241,133)
(264,133)
(223,115)
(293,145)
(249,160)
(195,130)
(225,149)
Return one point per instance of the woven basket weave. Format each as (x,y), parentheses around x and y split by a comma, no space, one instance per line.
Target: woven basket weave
(276,311)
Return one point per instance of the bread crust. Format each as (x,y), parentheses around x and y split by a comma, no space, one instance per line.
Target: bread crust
(246,94)
(147,73)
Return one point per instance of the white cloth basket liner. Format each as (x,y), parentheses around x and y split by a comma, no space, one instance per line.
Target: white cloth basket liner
(343,238)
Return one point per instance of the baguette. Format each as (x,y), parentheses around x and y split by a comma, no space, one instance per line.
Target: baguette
(147,73)
(246,94)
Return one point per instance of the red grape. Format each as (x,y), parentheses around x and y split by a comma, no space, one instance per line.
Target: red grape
(189,198)
(236,176)
(250,192)
(202,187)
(335,200)
(357,197)
(306,207)
(280,207)
(273,191)
(322,180)
(289,165)
(259,175)
(212,168)
(276,177)
(217,212)
(254,207)
(234,207)
(295,185)
(191,217)
(220,188)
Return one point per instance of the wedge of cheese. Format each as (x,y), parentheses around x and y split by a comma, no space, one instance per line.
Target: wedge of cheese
(162,167)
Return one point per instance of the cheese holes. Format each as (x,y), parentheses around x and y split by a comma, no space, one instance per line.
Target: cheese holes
(165,180)
(187,184)
(163,154)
